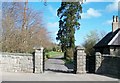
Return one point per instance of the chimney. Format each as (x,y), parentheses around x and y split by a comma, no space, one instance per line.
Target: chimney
(115,23)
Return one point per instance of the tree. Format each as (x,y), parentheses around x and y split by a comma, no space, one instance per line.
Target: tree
(69,14)
(90,40)
(23,29)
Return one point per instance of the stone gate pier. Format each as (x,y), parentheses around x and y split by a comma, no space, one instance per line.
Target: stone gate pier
(38,60)
(98,62)
(80,60)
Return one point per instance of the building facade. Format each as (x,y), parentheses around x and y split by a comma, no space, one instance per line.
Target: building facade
(110,44)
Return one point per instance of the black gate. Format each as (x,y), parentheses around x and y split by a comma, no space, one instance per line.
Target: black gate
(43,60)
(75,62)
(90,64)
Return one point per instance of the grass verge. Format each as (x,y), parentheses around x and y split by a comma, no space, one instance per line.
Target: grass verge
(53,54)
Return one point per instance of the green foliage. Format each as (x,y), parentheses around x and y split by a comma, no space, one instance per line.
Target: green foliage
(69,14)
(57,49)
(48,50)
(53,54)
(67,61)
(54,49)
(69,53)
(47,56)
(90,40)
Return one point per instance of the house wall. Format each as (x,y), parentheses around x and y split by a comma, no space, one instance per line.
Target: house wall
(106,50)
(115,51)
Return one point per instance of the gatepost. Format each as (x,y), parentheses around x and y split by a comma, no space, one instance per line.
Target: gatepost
(98,62)
(38,60)
(80,60)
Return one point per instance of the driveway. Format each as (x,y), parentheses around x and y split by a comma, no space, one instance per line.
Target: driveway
(56,64)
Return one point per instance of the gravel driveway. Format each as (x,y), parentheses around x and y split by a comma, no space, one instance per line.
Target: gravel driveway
(56,64)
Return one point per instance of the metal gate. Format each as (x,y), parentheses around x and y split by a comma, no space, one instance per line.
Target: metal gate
(90,64)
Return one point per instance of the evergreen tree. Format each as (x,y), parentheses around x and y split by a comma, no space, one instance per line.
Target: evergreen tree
(69,14)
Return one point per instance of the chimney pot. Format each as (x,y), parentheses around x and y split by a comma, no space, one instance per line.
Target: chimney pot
(115,23)
(114,18)
(117,19)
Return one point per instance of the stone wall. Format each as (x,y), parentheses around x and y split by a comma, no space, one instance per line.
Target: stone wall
(16,62)
(107,64)
(22,62)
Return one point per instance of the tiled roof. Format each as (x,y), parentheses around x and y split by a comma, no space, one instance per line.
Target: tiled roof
(105,41)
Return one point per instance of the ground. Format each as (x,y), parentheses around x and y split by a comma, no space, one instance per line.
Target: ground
(50,75)
(56,64)
(54,77)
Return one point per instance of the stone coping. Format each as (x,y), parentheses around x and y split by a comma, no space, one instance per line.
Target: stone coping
(107,55)
(15,54)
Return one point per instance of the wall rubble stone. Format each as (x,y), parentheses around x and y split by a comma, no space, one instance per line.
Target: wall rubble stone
(80,61)
(108,64)
(16,62)
(22,62)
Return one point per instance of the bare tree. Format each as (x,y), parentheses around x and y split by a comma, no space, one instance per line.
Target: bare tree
(23,29)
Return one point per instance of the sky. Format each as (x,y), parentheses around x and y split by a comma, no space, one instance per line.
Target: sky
(96,16)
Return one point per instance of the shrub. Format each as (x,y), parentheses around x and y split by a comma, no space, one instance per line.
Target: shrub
(54,49)
(69,54)
(47,56)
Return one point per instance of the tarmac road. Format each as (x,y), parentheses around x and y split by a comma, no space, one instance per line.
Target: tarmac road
(54,77)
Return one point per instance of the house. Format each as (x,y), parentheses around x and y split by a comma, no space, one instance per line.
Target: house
(110,44)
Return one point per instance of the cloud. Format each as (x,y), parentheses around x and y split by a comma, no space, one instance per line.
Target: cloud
(112,7)
(52,24)
(91,13)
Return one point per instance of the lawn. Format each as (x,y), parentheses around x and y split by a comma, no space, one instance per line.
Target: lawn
(53,54)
